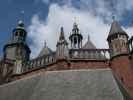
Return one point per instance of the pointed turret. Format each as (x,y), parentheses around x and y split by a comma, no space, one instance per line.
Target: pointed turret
(117,39)
(62,46)
(116,29)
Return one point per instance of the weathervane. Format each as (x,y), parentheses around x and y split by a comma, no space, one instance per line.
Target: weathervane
(22,15)
(113,17)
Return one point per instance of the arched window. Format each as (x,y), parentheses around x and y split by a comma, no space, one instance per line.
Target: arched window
(16,33)
(21,33)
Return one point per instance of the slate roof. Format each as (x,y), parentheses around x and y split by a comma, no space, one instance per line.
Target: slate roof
(89,44)
(116,28)
(98,84)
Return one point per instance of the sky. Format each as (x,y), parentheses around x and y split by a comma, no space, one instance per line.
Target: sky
(44,18)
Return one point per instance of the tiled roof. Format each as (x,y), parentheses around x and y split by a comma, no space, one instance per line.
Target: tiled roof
(115,28)
(94,84)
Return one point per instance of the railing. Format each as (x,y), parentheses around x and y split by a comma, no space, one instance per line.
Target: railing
(40,62)
(130,45)
(89,54)
(92,54)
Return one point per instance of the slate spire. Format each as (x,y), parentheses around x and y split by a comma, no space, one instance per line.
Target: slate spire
(117,39)
(62,37)
(115,29)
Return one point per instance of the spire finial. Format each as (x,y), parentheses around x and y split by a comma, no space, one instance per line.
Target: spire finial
(45,44)
(20,22)
(113,17)
(75,22)
(22,15)
(88,37)
(61,33)
(75,19)
(62,30)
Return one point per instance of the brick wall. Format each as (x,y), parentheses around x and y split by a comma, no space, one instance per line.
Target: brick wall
(122,69)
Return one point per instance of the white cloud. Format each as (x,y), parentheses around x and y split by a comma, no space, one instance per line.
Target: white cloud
(89,20)
(64,16)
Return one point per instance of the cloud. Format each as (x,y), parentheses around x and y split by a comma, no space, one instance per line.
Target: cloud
(92,17)
(64,16)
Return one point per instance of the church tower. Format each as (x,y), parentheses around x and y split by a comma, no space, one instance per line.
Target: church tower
(117,40)
(16,49)
(62,46)
(76,37)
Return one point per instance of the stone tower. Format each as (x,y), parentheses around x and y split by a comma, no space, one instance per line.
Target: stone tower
(17,50)
(62,46)
(76,38)
(117,40)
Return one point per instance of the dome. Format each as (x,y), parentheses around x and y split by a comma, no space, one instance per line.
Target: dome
(45,51)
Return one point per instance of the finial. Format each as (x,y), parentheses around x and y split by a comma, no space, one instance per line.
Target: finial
(20,22)
(88,37)
(113,18)
(75,19)
(45,44)
(61,34)
(62,30)
(22,15)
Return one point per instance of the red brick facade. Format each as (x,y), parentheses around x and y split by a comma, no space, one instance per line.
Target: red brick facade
(122,68)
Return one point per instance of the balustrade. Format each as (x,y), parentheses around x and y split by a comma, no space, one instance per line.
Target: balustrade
(96,54)
(40,62)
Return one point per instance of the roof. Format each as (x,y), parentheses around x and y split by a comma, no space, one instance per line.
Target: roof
(98,84)
(45,51)
(89,44)
(116,28)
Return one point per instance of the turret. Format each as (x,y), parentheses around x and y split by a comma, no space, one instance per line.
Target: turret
(119,62)
(16,49)
(117,40)
(76,37)
(62,46)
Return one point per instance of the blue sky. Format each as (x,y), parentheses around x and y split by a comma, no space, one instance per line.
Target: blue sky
(43,19)
(11,12)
